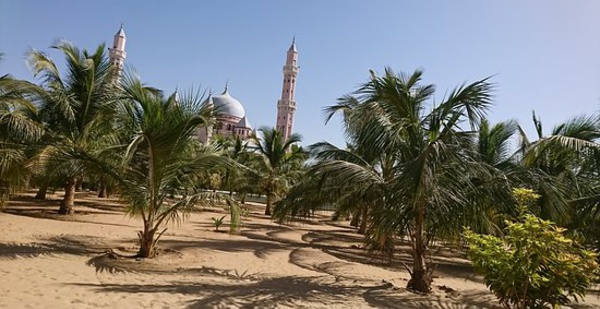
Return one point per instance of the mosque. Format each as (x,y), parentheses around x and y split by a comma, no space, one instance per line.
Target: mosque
(231,119)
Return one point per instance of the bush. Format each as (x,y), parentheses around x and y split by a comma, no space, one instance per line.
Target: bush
(534,265)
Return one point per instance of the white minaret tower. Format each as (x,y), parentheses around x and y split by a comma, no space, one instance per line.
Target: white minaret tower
(117,52)
(286,107)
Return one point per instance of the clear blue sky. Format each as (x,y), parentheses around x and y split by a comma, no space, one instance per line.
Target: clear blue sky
(545,54)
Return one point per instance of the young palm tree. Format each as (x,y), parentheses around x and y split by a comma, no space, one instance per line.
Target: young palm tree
(19,127)
(559,165)
(237,150)
(433,174)
(493,145)
(318,189)
(161,156)
(278,163)
(77,109)
(416,159)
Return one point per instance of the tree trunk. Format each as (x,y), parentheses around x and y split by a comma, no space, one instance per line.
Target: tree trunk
(243,201)
(4,193)
(66,206)
(41,194)
(355,219)
(101,189)
(268,208)
(78,184)
(147,242)
(363,220)
(420,279)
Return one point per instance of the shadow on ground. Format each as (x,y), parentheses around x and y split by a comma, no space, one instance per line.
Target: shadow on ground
(227,291)
(54,245)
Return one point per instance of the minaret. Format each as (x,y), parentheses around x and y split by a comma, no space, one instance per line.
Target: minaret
(117,52)
(286,107)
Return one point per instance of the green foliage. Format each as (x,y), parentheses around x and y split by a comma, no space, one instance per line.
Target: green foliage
(217,222)
(78,109)
(534,265)
(160,158)
(19,128)
(278,163)
(526,200)
(409,169)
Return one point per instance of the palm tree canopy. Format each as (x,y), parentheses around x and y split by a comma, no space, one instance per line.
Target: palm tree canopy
(162,149)
(78,104)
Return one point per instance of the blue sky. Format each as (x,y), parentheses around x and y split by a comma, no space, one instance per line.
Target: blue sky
(544,54)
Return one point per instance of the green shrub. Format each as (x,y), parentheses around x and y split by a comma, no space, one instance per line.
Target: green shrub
(534,265)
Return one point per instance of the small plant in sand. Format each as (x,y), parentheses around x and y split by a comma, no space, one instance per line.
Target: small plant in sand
(534,265)
(217,222)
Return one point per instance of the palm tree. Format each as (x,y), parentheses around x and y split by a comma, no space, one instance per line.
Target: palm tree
(563,169)
(19,127)
(414,159)
(235,148)
(161,156)
(561,165)
(493,145)
(77,109)
(278,163)
(319,190)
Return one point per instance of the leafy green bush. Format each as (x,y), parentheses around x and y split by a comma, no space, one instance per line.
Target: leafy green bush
(534,265)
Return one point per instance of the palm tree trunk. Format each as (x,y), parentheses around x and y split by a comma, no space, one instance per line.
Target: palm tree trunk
(78,184)
(355,219)
(147,242)
(41,194)
(66,206)
(4,193)
(363,220)
(419,279)
(268,208)
(101,189)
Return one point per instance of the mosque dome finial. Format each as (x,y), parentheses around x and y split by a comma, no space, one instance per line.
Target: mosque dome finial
(226,87)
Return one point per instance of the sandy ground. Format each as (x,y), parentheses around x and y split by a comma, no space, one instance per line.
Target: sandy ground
(47,261)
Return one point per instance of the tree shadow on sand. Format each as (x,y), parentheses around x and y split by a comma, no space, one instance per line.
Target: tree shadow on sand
(386,298)
(53,245)
(266,293)
(261,249)
(10,251)
(222,289)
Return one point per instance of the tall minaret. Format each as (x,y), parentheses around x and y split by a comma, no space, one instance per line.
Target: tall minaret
(117,52)
(286,107)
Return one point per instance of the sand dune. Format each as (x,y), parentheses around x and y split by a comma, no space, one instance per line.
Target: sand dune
(50,262)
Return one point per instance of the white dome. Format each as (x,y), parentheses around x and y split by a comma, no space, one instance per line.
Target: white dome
(226,105)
